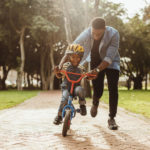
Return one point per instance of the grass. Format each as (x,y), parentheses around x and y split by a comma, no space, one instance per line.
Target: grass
(134,101)
(11,98)
(137,101)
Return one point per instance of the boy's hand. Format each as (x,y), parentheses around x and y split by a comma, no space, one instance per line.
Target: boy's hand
(56,70)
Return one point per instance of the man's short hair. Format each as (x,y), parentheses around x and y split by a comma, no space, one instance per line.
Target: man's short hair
(98,23)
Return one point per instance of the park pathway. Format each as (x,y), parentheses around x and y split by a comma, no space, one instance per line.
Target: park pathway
(29,126)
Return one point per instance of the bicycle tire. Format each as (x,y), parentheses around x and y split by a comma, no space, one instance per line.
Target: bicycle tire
(66,124)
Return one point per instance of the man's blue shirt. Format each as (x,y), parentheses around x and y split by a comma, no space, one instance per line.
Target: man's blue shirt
(108,48)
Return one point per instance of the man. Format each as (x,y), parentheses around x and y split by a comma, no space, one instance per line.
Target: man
(101,45)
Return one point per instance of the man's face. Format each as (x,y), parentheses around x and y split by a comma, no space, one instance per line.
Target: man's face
(75,60)
(97,33)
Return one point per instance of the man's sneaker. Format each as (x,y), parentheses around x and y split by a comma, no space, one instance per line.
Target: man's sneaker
(83,111)
(112,124)
(94,107)
(57,120)
(94,110)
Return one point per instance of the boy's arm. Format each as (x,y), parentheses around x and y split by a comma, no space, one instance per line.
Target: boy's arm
(63,60)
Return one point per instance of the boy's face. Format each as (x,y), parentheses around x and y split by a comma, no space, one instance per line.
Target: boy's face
(75,60)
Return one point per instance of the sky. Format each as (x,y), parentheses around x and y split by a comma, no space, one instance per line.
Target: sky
(132,6)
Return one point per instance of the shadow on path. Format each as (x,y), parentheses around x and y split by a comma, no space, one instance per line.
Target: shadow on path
(118,140)
(73,141)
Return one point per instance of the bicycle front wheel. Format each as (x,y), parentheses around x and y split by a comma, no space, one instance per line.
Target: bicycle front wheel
(67,122)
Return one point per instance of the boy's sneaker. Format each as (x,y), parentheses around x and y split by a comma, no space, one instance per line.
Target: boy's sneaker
(57,120)
(112,124)
(83,111)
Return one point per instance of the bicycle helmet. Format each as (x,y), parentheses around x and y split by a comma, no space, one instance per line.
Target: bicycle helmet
(75,49)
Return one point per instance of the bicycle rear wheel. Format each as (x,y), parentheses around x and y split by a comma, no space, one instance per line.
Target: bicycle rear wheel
(67,122)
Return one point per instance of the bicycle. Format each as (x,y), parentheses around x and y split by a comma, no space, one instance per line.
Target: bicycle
(69,111)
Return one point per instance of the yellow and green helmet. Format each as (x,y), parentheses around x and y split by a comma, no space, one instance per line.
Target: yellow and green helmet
(75,49)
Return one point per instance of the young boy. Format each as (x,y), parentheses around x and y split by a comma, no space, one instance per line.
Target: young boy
(75,52)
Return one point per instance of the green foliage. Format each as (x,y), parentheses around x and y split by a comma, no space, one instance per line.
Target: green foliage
(135,45)
(3,33)
(40,23)
(21,1)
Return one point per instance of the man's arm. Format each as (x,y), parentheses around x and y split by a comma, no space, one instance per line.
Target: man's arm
(113,48)
(82,37)
(111,52)
(79,40)
(103,65)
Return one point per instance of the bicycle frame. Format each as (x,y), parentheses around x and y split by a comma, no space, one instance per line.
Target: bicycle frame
(70,99)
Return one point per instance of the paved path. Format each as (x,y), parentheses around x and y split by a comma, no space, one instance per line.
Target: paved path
(29,126)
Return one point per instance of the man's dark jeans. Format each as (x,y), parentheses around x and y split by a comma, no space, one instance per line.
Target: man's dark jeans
(98,87)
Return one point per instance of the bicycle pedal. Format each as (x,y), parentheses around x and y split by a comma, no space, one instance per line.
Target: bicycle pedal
(75,98)
(78,110)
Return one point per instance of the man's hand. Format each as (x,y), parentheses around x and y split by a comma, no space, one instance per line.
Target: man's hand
(92,72)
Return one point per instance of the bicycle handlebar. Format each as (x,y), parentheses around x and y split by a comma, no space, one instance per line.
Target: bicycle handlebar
(79,74)
(72,81)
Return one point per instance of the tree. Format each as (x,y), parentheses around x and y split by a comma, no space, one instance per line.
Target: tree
(43,26)
(8,45)
(134,46)
(20,22)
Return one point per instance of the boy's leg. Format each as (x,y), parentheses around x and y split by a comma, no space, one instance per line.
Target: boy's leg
(79,91)
(98,86)
(64,100)
(112,77)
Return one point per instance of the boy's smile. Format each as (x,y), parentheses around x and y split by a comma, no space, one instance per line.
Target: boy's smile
(75,59)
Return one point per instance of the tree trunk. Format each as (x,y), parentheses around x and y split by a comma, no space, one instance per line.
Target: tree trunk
(37,80)
(44,85)
(3,79)
(28,80)
(3,84)
(52,81)
(32,84)
(40,82)
(146,81)
(52,66)
(86,6)
(87,88)
(86,83)
(67,22)
(137,83)
(45,69)
(21,69)
(25,80)
(96,8)
(128,83)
